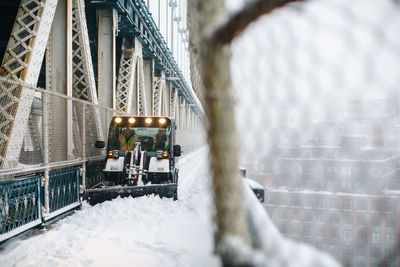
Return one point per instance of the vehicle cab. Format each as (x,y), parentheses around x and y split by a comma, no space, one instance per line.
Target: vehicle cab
(153,141)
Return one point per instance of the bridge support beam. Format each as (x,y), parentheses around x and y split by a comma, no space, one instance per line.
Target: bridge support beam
(172,102)
(131,91)
(157,95)
(58,78)
(22,61)
(107,26)
(166,99)
(125,85)
(84,86)
(148,73)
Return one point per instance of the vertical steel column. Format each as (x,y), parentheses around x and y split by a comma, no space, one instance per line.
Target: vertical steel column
(83,134)
(45,136)
(166,99)
(176,107)
(158,88)
(172,5)
(148,75)
(107,28)
(70,140)
(172,103)
(140,86)
(131,94)
(56,80)
(184,117)
(126,75)
(189,119)
(159,14)
(166,22)
(84,86)
(22,61)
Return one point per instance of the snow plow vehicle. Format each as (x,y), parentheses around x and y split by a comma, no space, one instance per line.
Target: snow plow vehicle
(140,159)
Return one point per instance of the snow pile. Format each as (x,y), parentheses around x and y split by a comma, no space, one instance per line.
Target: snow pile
(272,247)
(146,231)
(149,231)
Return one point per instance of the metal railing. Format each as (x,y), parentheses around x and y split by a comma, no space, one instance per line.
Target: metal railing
(56,161)
(20,206)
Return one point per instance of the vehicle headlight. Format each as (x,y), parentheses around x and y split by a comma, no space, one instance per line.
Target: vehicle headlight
(161,154)
(113,153)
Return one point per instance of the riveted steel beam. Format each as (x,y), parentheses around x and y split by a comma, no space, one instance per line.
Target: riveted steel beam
(159,95)
(172,103)
(130,93)
(83,83)
(22,62)
(136,21)
(126,74)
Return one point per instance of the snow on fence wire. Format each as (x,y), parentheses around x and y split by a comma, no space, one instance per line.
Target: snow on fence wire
(318,93)
(57,158)
(60,132)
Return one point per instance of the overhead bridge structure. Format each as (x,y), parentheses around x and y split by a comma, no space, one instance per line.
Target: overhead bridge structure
(67,67)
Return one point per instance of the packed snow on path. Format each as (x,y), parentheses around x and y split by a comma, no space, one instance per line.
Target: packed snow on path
(145,231)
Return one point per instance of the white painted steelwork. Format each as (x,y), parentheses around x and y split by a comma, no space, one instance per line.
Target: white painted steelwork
(22,61)
(158,96)
(83,77)
(131,77)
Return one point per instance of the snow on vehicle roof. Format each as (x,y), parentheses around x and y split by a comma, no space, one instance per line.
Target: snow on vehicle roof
(253,184)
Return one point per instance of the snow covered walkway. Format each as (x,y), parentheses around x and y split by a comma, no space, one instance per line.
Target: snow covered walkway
(146,231)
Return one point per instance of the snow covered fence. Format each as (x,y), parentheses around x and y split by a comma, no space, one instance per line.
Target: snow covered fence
(57,159)
(22,200)
(20,206)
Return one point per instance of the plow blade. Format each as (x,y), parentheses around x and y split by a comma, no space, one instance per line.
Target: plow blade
(98,195)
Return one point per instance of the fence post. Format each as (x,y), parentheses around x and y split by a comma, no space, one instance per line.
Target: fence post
(83,173)
(45,136)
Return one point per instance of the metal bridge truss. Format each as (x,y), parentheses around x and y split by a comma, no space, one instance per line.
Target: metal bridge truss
(172,103)
(83,77)
(159,96)
(22,61)
(131,77)
(136,21)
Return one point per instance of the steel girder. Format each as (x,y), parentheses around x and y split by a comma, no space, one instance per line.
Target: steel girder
(159,92)
(22,62)
(131,70)
(189,119)
(172,102)
(83,82)
(125,82)
(181,113)
(141,99)
(136,20)
(83,77)
(166,95)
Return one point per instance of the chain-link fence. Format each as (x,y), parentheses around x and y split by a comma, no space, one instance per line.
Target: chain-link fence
(47,154)
(59,131)
(318,110)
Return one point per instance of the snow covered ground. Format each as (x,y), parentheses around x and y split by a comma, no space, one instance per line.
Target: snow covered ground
(146,231)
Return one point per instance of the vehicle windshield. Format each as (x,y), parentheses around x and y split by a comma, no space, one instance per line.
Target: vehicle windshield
(151,138)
